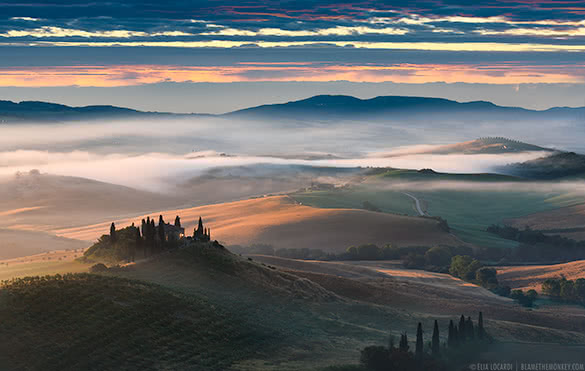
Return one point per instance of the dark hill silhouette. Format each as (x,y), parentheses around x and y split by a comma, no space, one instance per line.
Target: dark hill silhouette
(557,165)
(320,107)
(324,106)
(43,111)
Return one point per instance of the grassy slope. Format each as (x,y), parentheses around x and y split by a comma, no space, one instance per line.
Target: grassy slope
(262,317)
(94,322)
(469,212)
(281,222)
(313,326)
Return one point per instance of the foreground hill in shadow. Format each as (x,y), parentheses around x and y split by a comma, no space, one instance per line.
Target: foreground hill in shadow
(92,322)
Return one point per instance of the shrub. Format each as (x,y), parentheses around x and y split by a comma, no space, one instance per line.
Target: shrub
(438,256)
(487,277)
(98,268)
(464,267)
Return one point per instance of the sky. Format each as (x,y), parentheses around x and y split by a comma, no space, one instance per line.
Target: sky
(223,55)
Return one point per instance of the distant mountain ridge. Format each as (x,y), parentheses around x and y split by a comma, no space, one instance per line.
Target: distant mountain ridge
(43,111)
(316,107)
(343,106)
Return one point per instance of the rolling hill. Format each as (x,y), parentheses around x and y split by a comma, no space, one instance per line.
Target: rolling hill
(282,222)
(554,166)
(91,322)
(532,276)
(488,145)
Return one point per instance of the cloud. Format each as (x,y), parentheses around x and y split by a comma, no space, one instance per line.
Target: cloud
(48,31)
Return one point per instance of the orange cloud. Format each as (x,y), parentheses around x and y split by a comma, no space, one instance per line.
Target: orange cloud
(126,75)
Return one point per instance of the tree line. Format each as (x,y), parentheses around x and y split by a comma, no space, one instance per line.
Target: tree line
(463,339)
(537,246)
(565,290)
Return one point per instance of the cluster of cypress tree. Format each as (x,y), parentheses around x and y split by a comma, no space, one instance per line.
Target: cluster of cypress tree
(435,356)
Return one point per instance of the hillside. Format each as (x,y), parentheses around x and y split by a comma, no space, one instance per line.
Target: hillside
(44,202)
(568,221)
(555,166)
(532,276)
(283,223)
(43,111)
(489,145)
(92,322)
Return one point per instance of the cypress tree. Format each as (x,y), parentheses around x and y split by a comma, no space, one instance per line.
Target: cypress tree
(178,222)
(480,330)
(470,333)
(391,344)
(456,340)
(451,335)
(152,232)
(161,234)
(436,342)
(403,346)
(137,244)
(200,228)
(462,330)
(113,233)
(143,226)
(419,342)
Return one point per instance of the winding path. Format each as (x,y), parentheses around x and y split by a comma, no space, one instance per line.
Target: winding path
(416,204)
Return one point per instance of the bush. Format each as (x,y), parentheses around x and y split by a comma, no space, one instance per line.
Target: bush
(98,268)
(464,267)
(438,256)
(487,277)
(526,300)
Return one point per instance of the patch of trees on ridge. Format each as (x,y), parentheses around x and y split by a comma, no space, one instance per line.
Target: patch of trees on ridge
(463,341)
(131,243)
(537,246)
(562,289)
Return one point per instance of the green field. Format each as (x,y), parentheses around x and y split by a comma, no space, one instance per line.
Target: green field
(469,212)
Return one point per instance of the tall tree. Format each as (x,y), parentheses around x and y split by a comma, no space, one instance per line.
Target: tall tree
(419,342)
(178,222)
(480,329)
(456,339)
(162,234)
(137,244)
(462,331)
(403,345)
(436,342)
(160,220)
(200,227)
(113,236)
(451,335)
(469,330)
